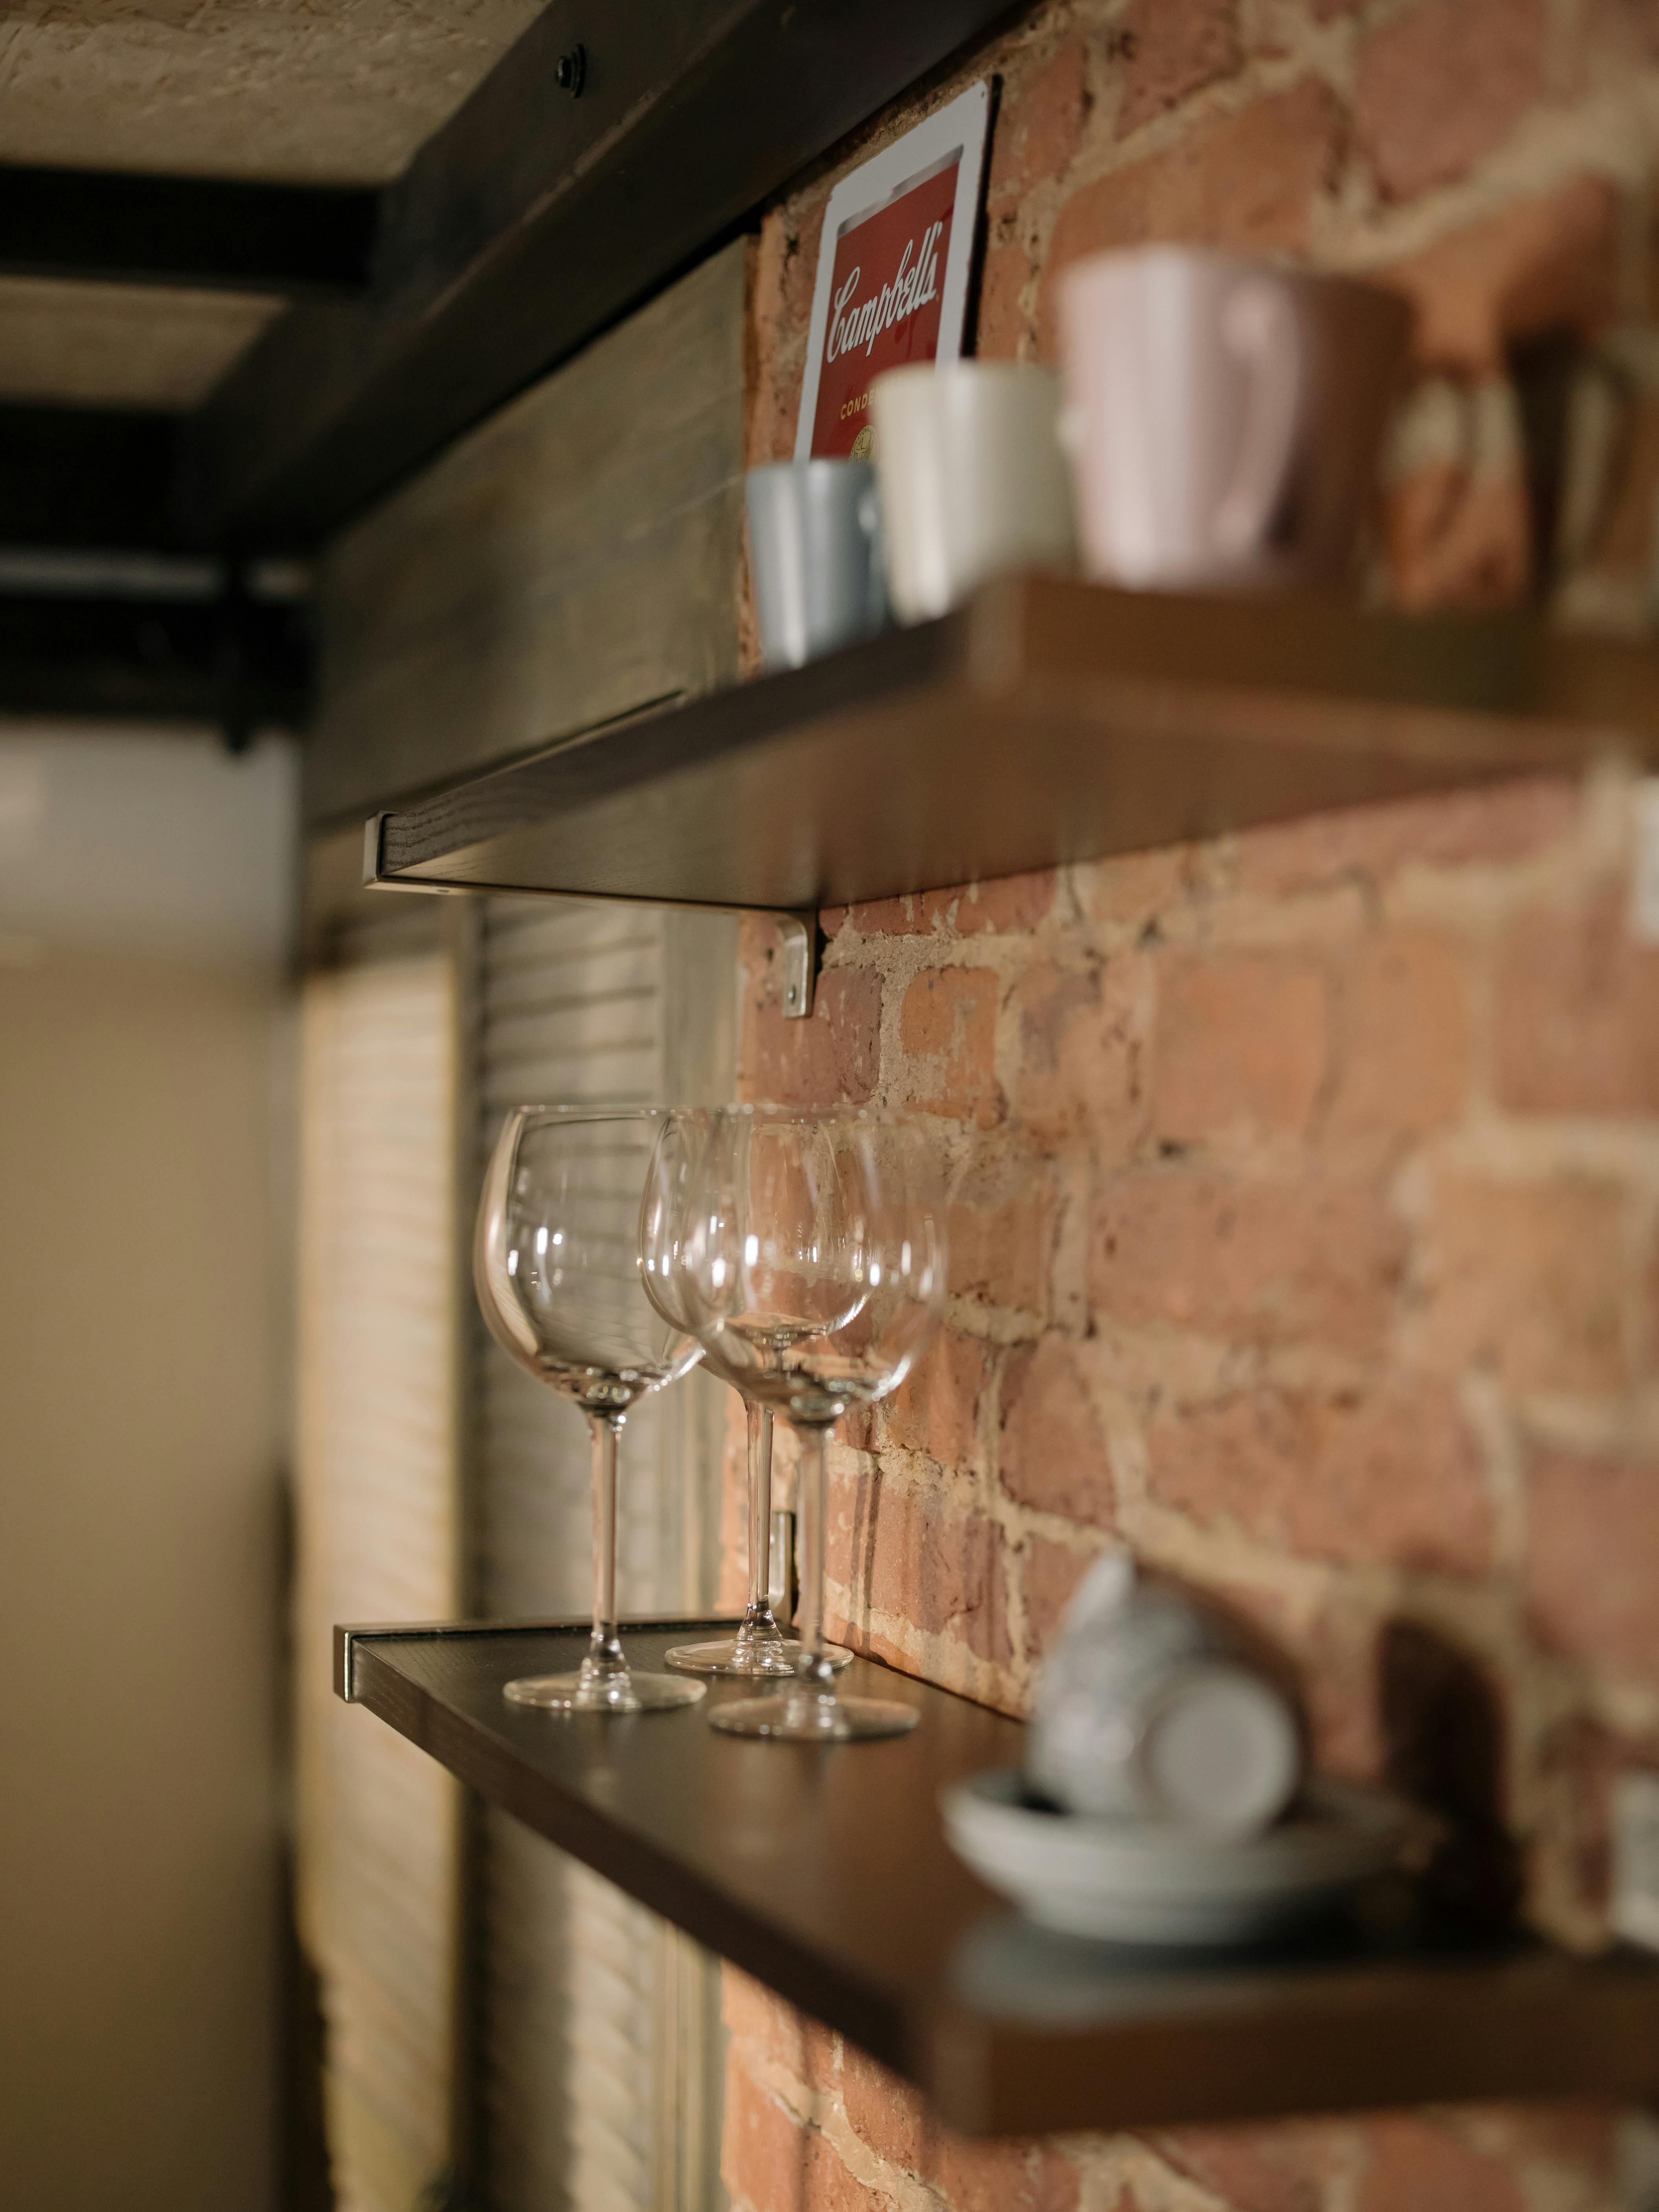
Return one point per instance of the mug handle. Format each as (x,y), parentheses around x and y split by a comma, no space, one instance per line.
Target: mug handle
(1259,327)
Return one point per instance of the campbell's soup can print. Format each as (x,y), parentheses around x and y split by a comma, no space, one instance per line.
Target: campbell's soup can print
(886,291)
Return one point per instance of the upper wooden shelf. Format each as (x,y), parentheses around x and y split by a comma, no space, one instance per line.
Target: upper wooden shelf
(825,1874)
(1047,721)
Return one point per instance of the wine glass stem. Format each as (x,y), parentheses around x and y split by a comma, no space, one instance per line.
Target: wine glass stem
(605,1651)
(758,1615)
(813,1669)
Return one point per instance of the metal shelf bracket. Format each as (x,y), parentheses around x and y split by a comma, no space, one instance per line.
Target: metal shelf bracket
(798,931)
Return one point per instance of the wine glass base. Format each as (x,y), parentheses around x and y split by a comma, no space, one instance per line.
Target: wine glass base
(621,1693)
(774,1661)
(810,1716)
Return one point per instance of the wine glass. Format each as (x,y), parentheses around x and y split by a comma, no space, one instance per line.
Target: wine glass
(811,1263)
(760,1647)
(556,1265)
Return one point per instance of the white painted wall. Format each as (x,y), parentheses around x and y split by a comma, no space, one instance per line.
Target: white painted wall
(145,916)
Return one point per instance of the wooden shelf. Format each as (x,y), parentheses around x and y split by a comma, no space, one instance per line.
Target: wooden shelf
(826,1874)
(1048,721)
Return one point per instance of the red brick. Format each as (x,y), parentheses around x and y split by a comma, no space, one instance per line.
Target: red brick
(832,1057)
(1003,323)
(1000,1228)
(1542,264)
(1240,1045)
(1403,1065)
(1372,844)
(1593,1559)
(1391,1478)
(762,2158)
(1525,1281)
(1172,48)
(1053,1451)
(1334,1656)
(1577,1013)
(1140,887)
(1412,2165)
(1246,181)
(936,1408)
(1581,2135)
(1048,1575)
(1003,2177)
(1040,127)
(783,272)
(1082,1053)
(1007,903)
(940,1568)
(771,2163)
(775,2030)
(1440,87)
(1285,2168)
(885,2112)
(947,1028)
(1262,1262)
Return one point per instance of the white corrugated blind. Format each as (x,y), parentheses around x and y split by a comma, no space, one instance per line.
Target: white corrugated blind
(572,1004)
(377,1466)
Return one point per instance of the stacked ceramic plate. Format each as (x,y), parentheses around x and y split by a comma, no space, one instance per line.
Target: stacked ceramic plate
(1151,1882)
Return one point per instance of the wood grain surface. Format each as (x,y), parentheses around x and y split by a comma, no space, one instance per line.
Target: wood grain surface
(573,560)
(1048,721)
(825,1874)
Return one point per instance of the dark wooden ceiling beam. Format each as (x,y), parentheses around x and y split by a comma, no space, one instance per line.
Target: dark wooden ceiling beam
(214,233)
(533,219)
(83,477)
(238,664)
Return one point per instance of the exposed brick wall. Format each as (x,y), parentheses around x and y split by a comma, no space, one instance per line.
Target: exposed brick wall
(1308,1238)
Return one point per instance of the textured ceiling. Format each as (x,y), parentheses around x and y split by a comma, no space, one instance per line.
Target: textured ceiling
(119,345)
(322,91)
(328,90)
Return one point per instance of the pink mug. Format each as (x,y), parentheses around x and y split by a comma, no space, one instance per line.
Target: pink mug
(1223,417)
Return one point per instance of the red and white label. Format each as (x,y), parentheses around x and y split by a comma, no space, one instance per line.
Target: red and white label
(886,289)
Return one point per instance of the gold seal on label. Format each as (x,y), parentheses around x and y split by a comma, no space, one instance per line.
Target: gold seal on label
(863,446)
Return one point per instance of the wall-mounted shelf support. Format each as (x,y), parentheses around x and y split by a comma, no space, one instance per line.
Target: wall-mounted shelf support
(798,933)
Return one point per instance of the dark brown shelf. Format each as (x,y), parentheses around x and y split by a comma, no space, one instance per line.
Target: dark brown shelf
(1048,721)
(826,1874)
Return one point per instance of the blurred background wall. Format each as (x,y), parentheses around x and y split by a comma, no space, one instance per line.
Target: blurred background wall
(146,888)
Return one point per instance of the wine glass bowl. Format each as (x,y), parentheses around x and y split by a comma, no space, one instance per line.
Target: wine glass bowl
(557,1270)
(759,1648)
(811,1264)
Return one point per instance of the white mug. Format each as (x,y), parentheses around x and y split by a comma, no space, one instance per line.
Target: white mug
(1146,1708)
(973,478)
(1223,417)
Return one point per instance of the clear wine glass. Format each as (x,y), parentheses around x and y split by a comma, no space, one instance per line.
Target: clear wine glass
(556,1265)
(759,1647)
(812,1264)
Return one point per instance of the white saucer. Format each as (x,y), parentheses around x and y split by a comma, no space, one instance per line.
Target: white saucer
(1146,1881)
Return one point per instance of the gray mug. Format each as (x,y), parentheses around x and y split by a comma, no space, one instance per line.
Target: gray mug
(815,556)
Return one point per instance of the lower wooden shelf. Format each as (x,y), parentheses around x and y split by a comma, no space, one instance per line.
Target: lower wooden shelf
(826,1874)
